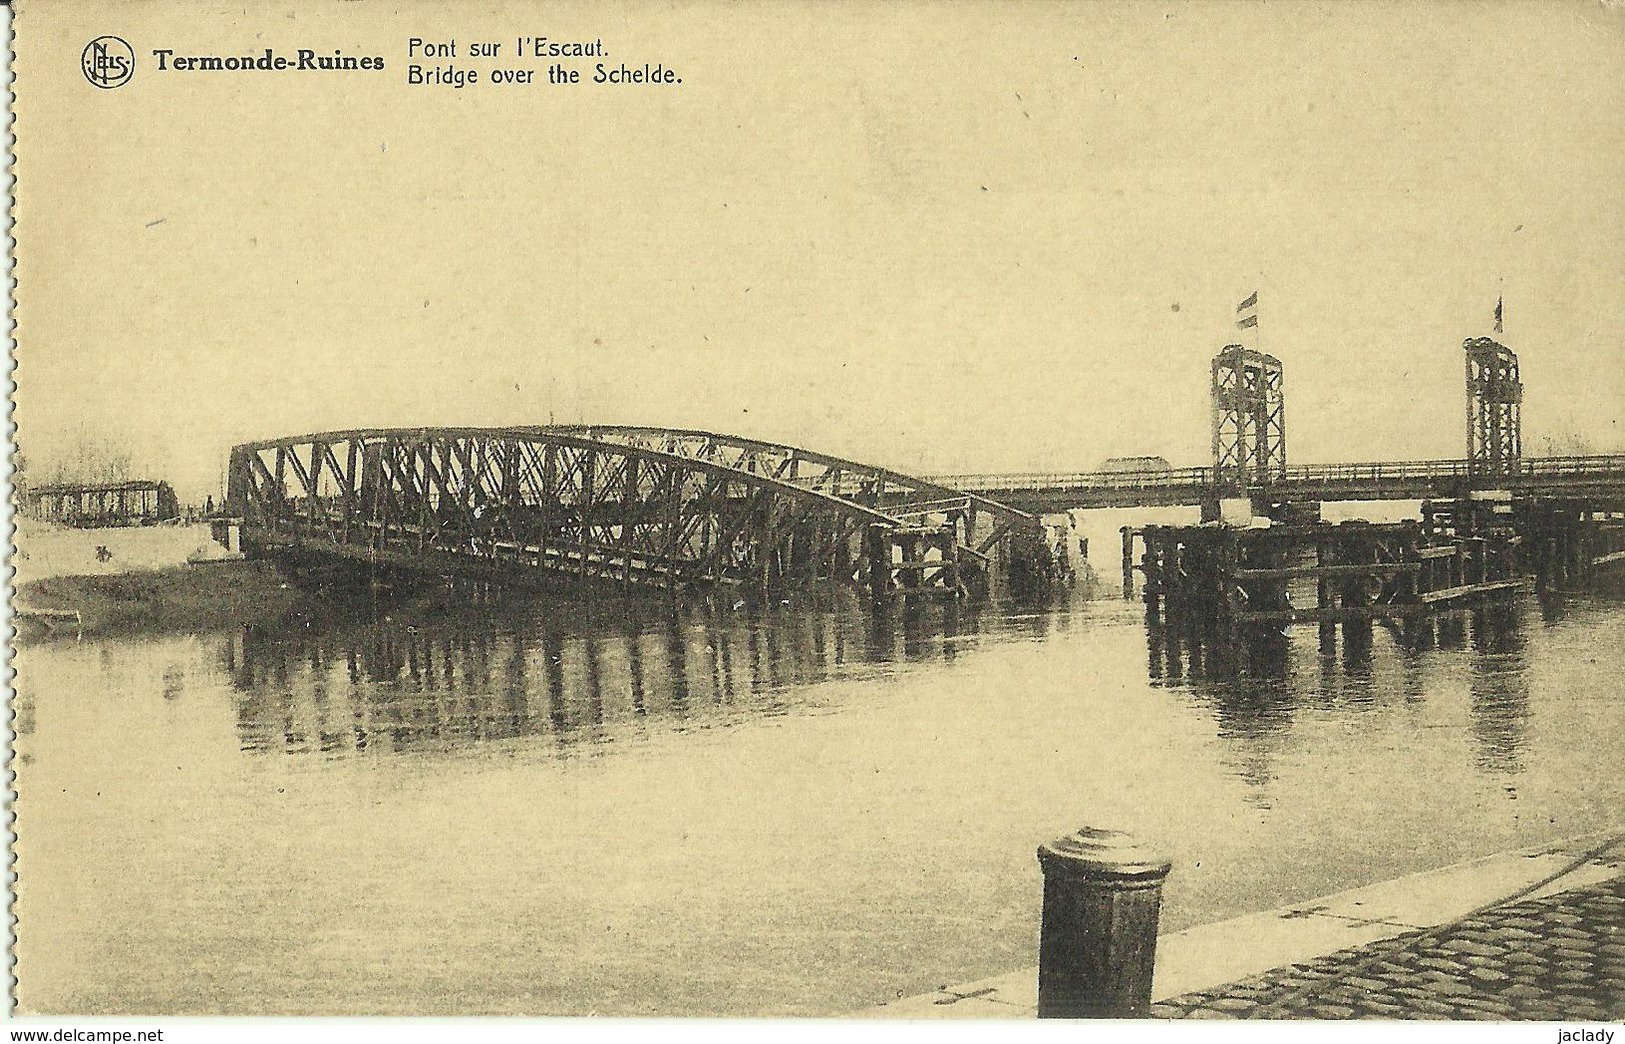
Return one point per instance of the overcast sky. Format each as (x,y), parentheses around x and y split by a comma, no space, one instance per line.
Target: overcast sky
(945,238)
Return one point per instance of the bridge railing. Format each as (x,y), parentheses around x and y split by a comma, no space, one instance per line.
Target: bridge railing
(1524,470)
(1600,464)
(1080,480)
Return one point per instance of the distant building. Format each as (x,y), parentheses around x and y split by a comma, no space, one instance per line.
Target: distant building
(1126,465)
(90,505)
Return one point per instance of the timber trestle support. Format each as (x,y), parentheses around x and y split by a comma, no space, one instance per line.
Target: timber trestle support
(1229,588)
(1232,588)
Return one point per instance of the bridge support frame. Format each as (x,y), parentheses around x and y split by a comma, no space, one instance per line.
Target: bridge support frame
(1249,417)
(1494,407)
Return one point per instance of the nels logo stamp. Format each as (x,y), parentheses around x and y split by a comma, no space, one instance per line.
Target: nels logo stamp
(108,62)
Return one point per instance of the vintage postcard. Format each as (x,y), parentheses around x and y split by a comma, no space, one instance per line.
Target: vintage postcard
(886,511)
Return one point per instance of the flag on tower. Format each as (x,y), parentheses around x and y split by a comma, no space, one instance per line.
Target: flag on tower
(1248,310)
(1498,314)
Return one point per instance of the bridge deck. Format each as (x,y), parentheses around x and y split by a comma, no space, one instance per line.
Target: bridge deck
(1599,475)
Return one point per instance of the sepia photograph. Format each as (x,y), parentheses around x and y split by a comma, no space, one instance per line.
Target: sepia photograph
(899,513)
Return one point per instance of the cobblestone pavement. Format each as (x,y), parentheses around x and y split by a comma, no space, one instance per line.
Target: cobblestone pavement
(1559,958)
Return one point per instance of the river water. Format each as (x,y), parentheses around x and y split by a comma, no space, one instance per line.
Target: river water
(468,806)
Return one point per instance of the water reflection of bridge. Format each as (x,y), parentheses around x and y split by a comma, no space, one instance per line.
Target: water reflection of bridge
(580,672)
(1255,709)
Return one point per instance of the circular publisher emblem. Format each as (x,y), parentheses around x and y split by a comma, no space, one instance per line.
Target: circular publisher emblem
(108,62)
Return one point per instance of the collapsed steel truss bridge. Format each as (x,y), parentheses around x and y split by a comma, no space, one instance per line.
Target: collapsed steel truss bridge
(640,507)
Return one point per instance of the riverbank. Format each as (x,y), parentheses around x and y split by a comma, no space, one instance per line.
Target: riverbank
(178,598)
(1529,934)
(168,577)
(45,550)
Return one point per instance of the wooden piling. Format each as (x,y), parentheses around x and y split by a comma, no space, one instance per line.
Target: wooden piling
(1128,563)
(879,562)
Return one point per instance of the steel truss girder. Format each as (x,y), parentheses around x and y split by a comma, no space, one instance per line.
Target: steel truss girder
(979,522)
(515,499)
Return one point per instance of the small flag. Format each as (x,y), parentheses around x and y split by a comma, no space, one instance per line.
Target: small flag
(1247,311)
(1498,314)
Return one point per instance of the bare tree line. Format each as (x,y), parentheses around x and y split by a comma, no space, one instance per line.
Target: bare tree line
(90,458)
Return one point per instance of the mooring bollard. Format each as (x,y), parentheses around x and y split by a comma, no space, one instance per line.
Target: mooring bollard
(1098,943)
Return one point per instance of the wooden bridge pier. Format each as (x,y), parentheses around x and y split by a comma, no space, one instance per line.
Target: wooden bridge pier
(917,561)
(919,573)
(1572,545)
(1227,586)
